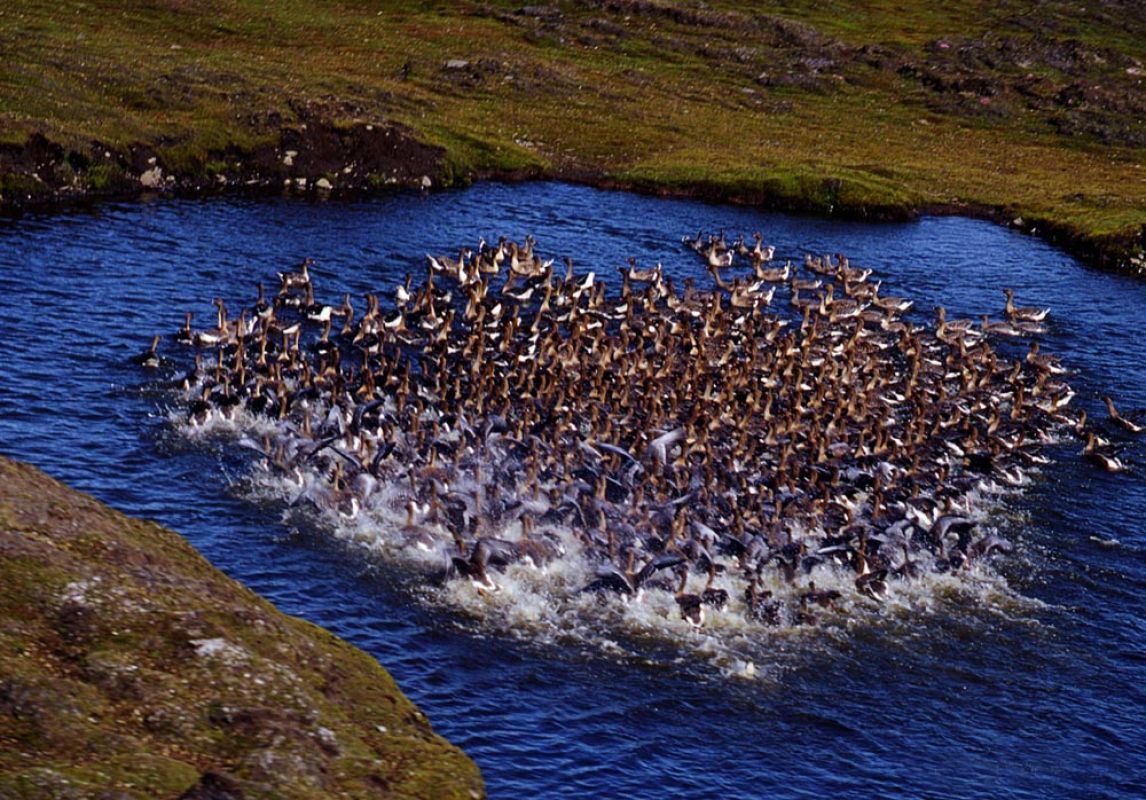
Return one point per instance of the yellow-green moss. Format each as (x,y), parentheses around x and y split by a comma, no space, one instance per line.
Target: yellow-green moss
(129,665)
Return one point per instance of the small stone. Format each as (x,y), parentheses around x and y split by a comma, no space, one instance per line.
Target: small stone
(288,160)
(426,182)
(323,184)
(457,63)
(300,182)
(328,740)
(1017,222)
(152,161)
(209,647)
(152,179)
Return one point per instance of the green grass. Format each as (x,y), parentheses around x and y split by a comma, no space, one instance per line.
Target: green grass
(827,107)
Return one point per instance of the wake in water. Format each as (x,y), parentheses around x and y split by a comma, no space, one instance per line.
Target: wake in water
(705,464)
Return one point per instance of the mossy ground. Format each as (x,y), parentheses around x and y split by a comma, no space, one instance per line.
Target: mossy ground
(872,108)
(130,667)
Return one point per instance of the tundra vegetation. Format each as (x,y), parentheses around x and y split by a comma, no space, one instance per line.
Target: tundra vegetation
(132,668)
(1029,113)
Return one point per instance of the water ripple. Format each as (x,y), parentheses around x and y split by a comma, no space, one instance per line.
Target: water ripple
(972,699)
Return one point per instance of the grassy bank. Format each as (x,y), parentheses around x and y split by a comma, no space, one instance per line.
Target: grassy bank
(1014,110)
(131,668)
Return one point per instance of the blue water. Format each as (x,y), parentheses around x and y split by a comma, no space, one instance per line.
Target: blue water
(1034,692)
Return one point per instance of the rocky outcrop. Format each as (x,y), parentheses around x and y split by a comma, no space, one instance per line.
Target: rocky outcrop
(132,668)
(300,157)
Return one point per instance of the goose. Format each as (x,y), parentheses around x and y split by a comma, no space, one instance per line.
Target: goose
(825,598)
(1001,328)
(263,310)
(891,303)
(775,274)
(1123,422)
(642,275)
(1025,313)
(691,605)
(821,265)
(185,335)
(449,266)
(316,312)
(950,330)
(614,413)
(838,309)
(761,254)
(221,334)
(852,275)
(1102,456)
(719,260)
(751,295)
(149,358)
(295,280)
(626,581)
(692,243)
(1043,362)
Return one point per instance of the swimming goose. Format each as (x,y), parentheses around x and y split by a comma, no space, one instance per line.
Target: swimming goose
(221,334)
(316,312)
(821,265)
(718,260)
(775,274)
(1126,423)
(185,335)
(696,244)
(751,295)
(263,309)
(838,309)
(642,275)
(619,413)
(951,330)
(449,266)
(293,280)
(1104,457)
(891,302)
(1044,362)
(761,254)
(1025,313)
(149,358)
(1001,328)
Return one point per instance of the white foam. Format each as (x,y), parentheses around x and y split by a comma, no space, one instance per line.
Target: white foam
(547,604)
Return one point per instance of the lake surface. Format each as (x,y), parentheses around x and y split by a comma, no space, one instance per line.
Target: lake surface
(1028,685)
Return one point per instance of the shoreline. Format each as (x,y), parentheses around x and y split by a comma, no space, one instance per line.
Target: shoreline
(1030,116)
(405,163)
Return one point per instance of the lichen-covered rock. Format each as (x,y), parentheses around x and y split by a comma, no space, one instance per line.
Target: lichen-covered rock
(130,667)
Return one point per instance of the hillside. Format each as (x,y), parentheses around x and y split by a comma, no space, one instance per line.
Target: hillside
(1031,110)
(132,668)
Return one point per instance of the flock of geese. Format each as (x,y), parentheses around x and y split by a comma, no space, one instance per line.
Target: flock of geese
(725,444)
